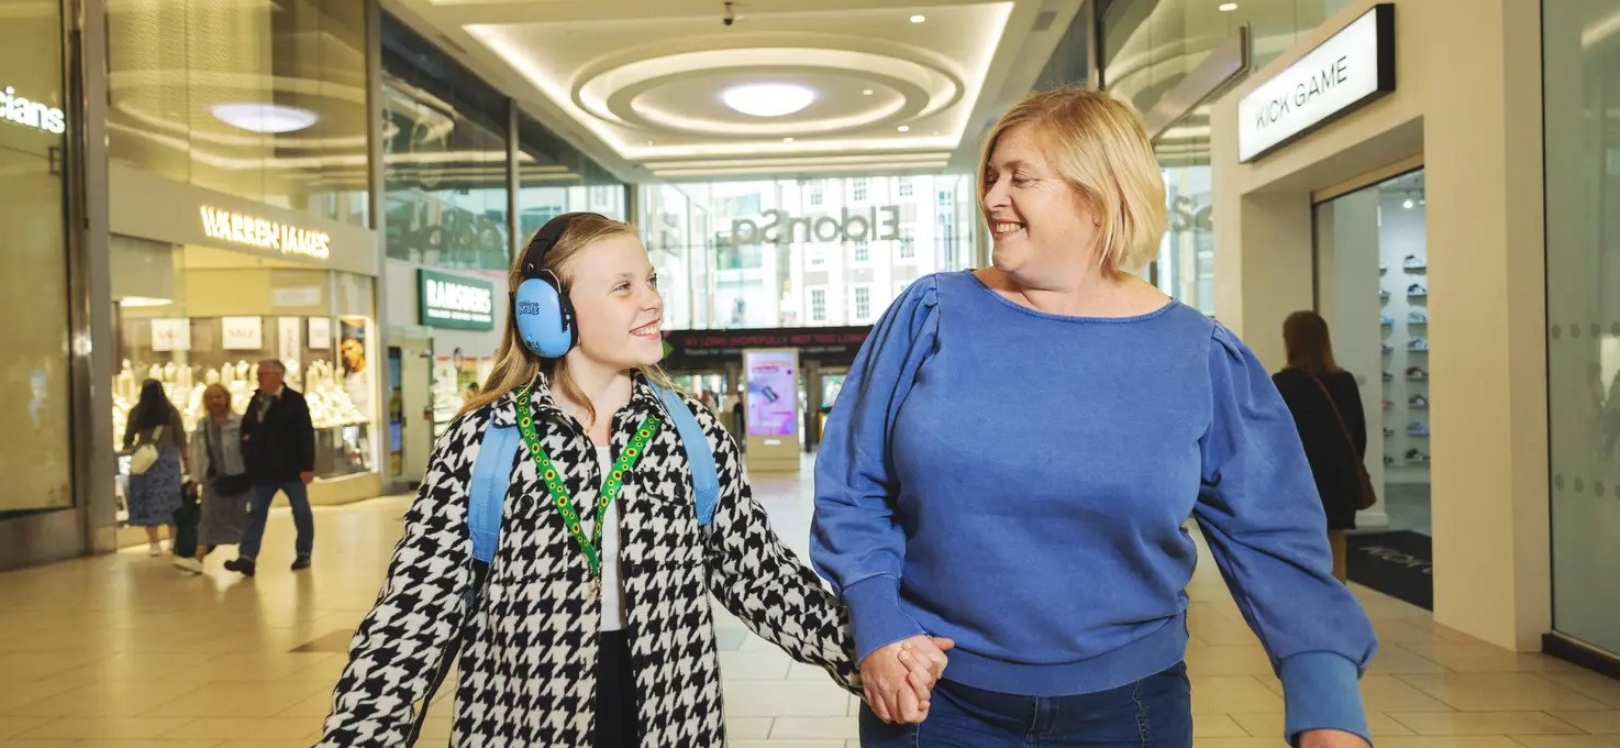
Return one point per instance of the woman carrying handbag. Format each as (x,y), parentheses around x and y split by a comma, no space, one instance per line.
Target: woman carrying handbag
(216,453)
(1326,403)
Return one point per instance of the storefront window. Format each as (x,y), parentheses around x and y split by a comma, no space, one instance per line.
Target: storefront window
(554,178)
(446,175)
(265,101)
(192,316)
(800,253)
(38,457)
(1581,81)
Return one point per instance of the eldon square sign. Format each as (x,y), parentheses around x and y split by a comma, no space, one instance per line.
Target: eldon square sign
(1349,70)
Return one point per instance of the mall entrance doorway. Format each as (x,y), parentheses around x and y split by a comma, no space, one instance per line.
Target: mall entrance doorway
(1372,287)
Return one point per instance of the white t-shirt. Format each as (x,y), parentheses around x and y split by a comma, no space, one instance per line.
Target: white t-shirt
(613,618)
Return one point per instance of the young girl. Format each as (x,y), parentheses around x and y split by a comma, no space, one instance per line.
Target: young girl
(562,649)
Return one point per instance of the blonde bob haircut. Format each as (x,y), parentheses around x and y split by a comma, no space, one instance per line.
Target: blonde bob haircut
(516,365)
(1098,144)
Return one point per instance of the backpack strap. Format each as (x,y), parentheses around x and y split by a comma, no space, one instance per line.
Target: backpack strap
(705,476)
(491,476)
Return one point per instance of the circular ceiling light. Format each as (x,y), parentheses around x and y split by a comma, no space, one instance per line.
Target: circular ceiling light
(768,99)
(905,128)
(266,118)
(918,19)
(868,92)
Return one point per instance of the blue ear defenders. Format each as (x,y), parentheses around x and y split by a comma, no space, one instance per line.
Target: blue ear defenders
(543,314)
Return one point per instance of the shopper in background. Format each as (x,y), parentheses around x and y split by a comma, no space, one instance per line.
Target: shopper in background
(573,649)
(1326,403)
(224,486)
(1016,449)
(278,447)
(155,495)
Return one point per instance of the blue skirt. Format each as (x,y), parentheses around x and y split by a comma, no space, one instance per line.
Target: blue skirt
(154,496)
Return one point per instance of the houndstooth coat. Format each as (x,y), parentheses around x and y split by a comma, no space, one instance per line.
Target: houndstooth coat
(528,660)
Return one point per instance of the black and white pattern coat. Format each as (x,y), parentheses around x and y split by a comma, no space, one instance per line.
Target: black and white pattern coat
(527,665)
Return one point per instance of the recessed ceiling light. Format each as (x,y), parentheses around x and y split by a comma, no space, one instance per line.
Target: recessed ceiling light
(267,118)
(1227,7)
(768,99)
(787,140)
(905,128)
(868,92)
(918,18)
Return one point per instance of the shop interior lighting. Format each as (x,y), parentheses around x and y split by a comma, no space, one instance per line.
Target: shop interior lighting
(918,18)
(905,128)
(1226,7)
(768,99)
(265,118)
(142,301)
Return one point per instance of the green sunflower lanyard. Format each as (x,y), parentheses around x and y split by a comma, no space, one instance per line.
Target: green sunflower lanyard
(592,546)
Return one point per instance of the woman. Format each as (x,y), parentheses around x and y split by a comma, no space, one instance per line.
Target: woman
(1015,451)
(226,490)
(1326,403)
(154,495)
(545,640)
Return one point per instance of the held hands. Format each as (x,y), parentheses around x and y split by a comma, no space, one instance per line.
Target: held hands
(898,678)
(307,477)
(1331,739)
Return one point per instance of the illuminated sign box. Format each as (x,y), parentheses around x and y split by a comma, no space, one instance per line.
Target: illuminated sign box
(1346,72)
(454,302)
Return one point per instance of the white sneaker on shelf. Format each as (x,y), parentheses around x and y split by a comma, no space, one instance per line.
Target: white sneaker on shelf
(154,549)
(189,565)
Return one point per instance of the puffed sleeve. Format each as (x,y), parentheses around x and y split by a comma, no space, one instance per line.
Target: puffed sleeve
(855,542)
(1259,510)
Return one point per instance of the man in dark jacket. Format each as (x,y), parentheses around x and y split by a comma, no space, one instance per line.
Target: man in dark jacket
(278,445)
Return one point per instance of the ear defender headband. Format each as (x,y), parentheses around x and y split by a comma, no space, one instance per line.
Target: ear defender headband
(541,310)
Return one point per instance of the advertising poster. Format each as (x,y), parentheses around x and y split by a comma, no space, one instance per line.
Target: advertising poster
(352,352)
(773,387)
(171,334)
(290,348)
(320,334)
(243,334)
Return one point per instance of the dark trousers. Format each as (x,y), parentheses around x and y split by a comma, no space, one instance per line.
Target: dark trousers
(186,519)
(259,514)
(1155,711)
(616,723)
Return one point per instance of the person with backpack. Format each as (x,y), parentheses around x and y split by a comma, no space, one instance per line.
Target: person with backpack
(573,523)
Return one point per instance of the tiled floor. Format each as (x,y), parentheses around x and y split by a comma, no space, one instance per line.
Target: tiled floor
(124,651)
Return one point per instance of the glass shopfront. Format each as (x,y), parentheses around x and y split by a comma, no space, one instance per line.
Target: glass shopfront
(38,458)
(206,286)
(1581,79)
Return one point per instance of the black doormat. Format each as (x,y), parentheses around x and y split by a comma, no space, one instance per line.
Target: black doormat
(1399,564)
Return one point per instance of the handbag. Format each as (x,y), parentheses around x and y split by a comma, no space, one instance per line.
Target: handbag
(1368,496)
(225,485)
(146,455)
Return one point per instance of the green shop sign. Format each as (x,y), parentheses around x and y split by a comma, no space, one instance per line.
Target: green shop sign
(454,301)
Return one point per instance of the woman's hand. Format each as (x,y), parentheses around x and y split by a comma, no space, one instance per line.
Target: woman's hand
(898,678)
(1331,739)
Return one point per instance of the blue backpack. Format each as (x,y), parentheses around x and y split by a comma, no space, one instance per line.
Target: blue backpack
(492,474)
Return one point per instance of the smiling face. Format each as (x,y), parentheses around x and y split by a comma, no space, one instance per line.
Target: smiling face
(1042,225)
(614,290)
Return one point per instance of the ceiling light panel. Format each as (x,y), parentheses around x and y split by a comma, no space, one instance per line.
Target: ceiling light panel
(609,75)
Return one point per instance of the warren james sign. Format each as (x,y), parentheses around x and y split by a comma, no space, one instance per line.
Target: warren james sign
(252,231)
(1349,70)
(455,302)
(874,224)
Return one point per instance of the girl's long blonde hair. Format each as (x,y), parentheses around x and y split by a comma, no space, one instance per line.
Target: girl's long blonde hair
(516,365)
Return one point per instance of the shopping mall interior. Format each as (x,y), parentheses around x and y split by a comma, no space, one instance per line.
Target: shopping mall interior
(195,188)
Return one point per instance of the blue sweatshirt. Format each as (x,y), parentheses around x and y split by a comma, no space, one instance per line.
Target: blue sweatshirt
(1018,482)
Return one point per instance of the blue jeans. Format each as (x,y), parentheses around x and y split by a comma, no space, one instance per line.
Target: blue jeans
(303,519)
(1155,711)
